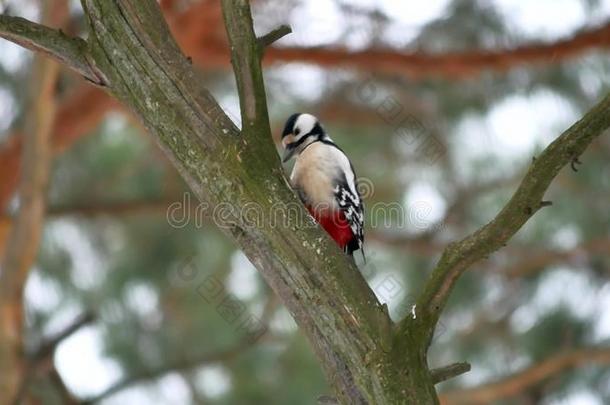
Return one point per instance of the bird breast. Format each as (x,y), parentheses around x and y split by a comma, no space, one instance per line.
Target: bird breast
(314,175)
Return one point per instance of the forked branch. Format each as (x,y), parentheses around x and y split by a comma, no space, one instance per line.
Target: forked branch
(525,202)
(246,60)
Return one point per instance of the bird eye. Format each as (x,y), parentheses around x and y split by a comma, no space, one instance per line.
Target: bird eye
(297,131)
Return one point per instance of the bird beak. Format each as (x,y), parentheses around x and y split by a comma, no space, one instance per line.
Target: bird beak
(288,153)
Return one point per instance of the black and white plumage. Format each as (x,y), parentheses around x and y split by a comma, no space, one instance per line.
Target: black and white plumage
(325,181)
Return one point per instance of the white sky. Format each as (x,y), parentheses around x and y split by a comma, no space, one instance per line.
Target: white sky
(425,206)
(551,18)
(512,129)
(81,364)
(243,279)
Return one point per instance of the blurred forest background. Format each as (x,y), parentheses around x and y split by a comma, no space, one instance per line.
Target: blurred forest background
(441,105)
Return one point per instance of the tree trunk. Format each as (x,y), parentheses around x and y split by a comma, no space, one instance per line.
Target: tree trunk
(239,177)
(237,174)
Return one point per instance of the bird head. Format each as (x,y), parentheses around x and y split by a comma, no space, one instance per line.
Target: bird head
(300,130)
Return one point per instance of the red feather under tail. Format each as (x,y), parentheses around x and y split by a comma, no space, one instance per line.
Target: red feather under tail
(335,224)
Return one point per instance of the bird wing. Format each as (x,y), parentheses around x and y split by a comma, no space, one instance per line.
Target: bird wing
(349,200)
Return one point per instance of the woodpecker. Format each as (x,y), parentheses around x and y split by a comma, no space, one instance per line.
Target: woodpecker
(325,181)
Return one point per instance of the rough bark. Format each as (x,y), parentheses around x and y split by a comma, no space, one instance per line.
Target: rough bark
(367,359)
(235,171)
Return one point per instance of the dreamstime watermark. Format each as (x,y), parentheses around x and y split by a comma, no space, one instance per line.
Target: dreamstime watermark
(418,216)
(210,287)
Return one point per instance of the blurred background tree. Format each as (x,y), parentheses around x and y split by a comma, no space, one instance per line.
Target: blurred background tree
(441,107)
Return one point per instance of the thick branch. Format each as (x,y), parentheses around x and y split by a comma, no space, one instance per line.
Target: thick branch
(530,377)
(245,57)
(357,325)
(206,49)
(452,65)
(72,52)
(323,290)
(526,201)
